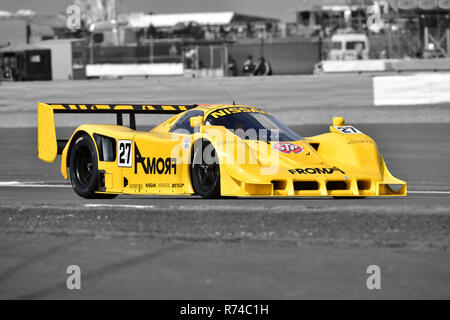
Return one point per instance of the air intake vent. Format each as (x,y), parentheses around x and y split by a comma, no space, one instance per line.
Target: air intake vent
(314,145)
(363,185)
(337,185)
(306,185)
(279,185)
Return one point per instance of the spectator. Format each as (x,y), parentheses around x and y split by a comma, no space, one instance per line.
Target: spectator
(383,54)
(359,51)
(5,73)
(249,30)
(151,32)
(190,58)
(318,68)
(263,68)
(232,68)
(173,51)
(209,34)
(140,36)
(248,66)
(419,54)
(222,32)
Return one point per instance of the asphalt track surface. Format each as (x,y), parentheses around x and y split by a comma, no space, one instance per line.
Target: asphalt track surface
(294,100)
(186,247)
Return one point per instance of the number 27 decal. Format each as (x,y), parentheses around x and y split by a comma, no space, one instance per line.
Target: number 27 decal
(125,153)
(348,129)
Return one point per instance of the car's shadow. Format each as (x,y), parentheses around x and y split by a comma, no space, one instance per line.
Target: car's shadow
(222,199)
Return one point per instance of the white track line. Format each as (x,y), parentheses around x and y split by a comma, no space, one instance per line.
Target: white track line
(32,184)
(131,206)
(430,192)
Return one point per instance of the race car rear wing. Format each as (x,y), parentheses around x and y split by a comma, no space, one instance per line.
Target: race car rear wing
(48,145)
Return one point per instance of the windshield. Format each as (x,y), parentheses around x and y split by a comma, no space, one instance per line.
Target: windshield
(251,124)
(352,45)
(336,45)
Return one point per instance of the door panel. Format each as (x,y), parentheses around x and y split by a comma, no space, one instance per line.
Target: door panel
(159,164)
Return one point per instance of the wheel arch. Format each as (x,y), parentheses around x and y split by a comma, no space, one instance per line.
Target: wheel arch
(359,151)
(65,160)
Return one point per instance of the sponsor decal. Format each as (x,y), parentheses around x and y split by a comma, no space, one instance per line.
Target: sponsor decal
(177,185)
(347,130)
(287,147)
(359,141)
(227,111)
(315,170)
(187,143)
(154,165)
(137,187)
(150,185)
(164,185)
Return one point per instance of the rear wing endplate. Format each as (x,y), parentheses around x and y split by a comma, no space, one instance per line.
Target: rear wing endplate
(48,145)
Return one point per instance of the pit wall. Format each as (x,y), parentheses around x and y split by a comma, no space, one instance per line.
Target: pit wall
(134,69)
(386,65)
(424,82)
(418,89)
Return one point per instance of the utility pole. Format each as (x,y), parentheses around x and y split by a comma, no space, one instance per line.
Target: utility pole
(447,32)
(28,32)
(389,41)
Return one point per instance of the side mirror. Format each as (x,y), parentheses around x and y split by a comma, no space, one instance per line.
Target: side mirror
(338,121)
(196,121)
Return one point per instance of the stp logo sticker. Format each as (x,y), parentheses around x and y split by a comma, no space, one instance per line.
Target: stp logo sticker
(287,147)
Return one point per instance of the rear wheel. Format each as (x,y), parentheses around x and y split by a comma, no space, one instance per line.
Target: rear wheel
(83,167)
(205,170)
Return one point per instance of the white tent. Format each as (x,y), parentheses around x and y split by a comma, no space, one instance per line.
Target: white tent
(139,20)
(5,13)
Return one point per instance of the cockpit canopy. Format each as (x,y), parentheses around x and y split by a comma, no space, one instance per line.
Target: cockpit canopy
(251,124)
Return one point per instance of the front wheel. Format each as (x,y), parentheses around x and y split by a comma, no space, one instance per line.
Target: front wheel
(83,167)
(205,170)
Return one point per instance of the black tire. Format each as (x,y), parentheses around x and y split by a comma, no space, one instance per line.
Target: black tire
(205,170)
(83,167)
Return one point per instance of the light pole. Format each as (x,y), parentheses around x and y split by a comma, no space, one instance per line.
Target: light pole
(91,42)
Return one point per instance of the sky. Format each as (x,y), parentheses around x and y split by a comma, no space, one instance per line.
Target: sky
(281,9)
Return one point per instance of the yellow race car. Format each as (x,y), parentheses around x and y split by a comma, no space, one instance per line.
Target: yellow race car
(212,151)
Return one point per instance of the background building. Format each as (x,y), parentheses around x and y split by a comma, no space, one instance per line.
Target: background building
(396,28)
(203,25)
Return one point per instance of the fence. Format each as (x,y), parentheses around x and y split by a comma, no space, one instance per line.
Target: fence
(287,56)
